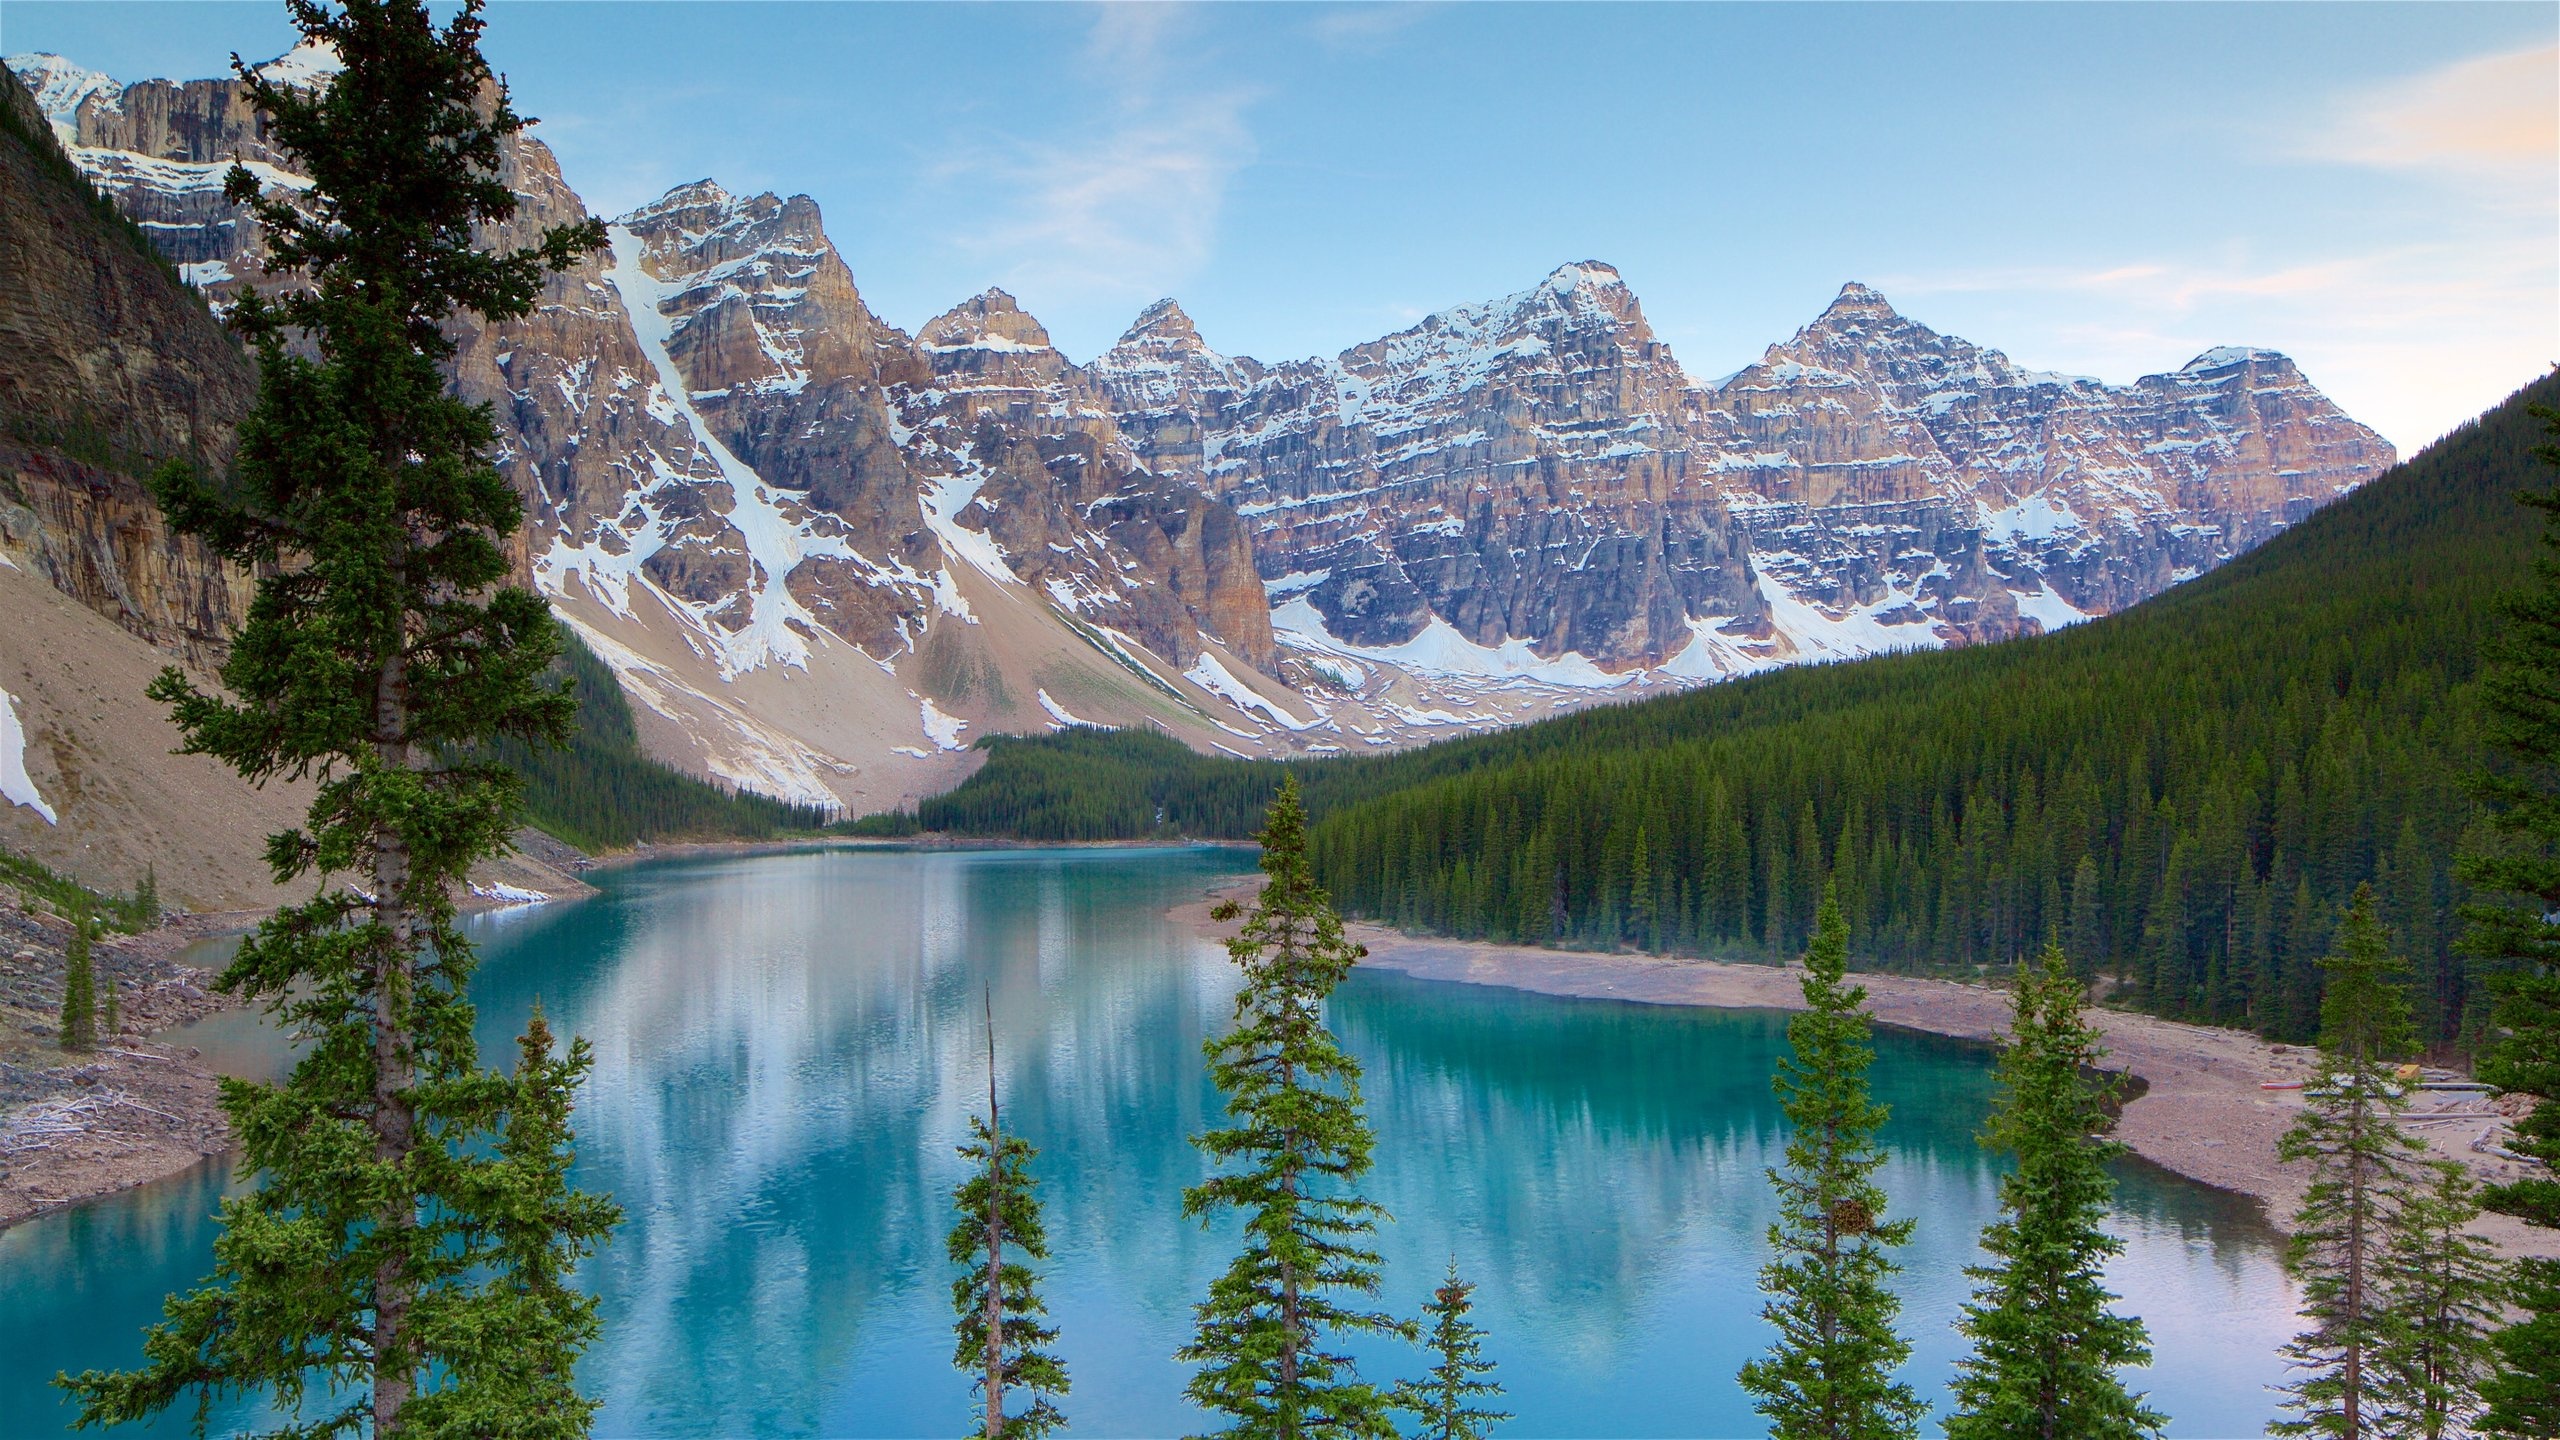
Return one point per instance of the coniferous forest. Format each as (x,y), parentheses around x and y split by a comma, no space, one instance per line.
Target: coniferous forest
(600,792)
(2185,795)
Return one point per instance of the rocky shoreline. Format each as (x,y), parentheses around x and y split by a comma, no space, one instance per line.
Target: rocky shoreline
(139,1108)
(75,1126)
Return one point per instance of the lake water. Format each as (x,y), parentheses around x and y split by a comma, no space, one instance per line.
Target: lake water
(788,1046)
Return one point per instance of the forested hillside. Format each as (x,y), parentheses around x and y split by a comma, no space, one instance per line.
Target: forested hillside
(2186,793)
(601,792)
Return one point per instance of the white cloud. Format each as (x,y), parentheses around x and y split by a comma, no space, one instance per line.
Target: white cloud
(2493,115)
(2412,337)
(2412,340)
(1124,206)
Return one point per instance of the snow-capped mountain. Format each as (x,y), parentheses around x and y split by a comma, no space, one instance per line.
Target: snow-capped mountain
(1540,471)
(825,555)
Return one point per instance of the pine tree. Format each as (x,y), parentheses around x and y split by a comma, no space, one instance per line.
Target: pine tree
(2046,1347)
(2518,945)
(534,1229)
(110,1004)
(1446,1403)
(2360,1162)
(79,985)
(1830,1375)
(1289,1161)
(381,1260)
(1000,1330)
(2441,1289)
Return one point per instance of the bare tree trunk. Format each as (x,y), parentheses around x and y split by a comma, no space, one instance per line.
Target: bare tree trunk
(394,1122)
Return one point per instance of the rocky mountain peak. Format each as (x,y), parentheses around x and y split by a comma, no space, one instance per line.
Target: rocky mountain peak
(1856,298)
(1163,326)
(59,88)
(992,320)
(306,66)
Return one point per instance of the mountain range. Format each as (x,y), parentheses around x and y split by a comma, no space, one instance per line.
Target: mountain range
(823,555)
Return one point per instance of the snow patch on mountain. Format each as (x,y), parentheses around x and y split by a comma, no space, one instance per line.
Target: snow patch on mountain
(59,87)
(16,785)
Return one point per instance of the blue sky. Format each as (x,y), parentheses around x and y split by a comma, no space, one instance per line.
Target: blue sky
(2374,189)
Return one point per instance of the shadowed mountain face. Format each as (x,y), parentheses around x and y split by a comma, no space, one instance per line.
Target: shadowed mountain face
(738,476)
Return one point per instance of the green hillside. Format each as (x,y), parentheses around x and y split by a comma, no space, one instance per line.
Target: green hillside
(2186,793)
(600,792)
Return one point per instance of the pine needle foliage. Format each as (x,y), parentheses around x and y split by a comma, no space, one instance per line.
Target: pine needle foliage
(2361,1162)
(1288,1160)
(1447,1403)
(1002,1331)
(2441,1292)
(2516,869)
(1830,1374)
(79,1030)
(2046,1349)
(395,1272)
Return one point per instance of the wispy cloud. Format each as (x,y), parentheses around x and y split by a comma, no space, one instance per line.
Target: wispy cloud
(1126,204)
(2412,339)
(1367,28)
(2493,115)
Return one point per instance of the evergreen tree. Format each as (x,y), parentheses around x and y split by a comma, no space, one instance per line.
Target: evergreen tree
(1446,1403)
(1001,1333)
(1830,1375)
(2046,1348)
(534,1229)
(2519,1399)
(2441,1289)
(2360,1162)
(1290,1159)
(79,985)
(2518,944)
(110,1003)
(382,1258)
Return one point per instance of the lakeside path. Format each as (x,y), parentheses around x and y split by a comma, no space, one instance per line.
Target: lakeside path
(2202,1115)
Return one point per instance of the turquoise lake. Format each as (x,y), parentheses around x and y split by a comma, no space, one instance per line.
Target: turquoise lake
(788,1047)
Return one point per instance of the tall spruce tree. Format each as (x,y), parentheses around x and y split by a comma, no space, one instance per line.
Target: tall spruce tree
(79,1028)
(381,1260)
(2441,1290)
(1830,1374)
(2513,939)
(2046,1349)
(2361,1163)
(1446,1403)
(533,1228)
(1001,1330)
(1289,1160)
(110,1002)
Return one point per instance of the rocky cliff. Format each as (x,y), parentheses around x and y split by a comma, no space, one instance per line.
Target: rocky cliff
(824,554)
(114,367)
(1539,471)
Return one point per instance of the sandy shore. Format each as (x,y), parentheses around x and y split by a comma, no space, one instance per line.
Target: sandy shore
(2202,1112)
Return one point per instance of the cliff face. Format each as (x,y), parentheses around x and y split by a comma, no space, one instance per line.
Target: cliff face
(113,368)
(1540,470)
(818,549)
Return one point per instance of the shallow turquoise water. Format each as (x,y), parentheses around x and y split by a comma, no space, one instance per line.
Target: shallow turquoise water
(788,1046)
